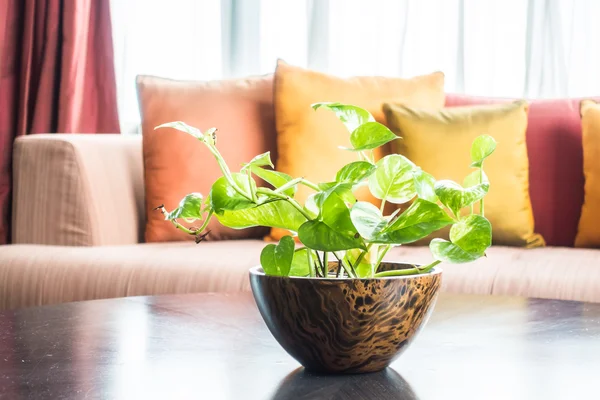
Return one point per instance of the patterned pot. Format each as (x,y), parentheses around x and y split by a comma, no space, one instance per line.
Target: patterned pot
(345,325)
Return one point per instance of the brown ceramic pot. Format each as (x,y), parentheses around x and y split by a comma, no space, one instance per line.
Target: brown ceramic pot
(345,325)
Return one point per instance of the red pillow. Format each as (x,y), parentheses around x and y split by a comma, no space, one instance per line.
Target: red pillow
(555,164)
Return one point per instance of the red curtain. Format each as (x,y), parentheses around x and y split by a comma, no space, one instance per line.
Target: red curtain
(56,75)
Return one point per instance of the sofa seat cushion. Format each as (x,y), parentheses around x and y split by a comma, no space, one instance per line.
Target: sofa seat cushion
(32,275)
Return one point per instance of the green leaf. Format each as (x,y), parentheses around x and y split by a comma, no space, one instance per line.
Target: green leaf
(354,172)
(274,178)
(326,185)
(267,260)
(393,179)
(277,259)
(190,208)
(367,219)
(261,160)
(334,230)
(351,116)
(277,214)
(424,185)
(341,190)
(455,197)
(470,238)
(284,254)
(310,205)
(483,146)
(443,250)
(475,178)
(420,220)
(300,263)
(370,135)
(319,236)
(183,127)
(473,234)
(224,197)
(336,214)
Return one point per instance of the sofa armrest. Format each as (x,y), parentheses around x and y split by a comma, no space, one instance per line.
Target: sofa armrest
(78,190)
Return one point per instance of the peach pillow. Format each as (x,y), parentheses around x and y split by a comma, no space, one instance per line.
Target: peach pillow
(308,140)
(588,232)
(176,164)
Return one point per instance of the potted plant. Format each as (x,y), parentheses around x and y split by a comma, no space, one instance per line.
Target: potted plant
(331,300)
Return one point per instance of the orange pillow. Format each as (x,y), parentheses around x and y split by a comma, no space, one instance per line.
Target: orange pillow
(308,140)
(588,232)
(176,164)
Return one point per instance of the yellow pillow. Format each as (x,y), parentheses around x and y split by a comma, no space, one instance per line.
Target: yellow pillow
(439,141)
(308,140)
(588,233)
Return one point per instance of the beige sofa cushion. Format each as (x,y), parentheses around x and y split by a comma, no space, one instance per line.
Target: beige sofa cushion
(78,190)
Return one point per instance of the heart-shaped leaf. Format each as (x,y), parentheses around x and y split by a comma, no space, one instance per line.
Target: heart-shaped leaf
(473,234)
(393,179)
(424,185)
(300,266)
(341,190)
(277,259)
(261,160)
(336,214)
(190,208)
(317,235)
(267,260)
(475,178)
(274,178)
(483,146)
(277,214)
(455,197)
(351,116)
(367,219)
(224,197)
(370,135)
(354,172)
(470,238)
(420,220)
(333,230)
(443,250)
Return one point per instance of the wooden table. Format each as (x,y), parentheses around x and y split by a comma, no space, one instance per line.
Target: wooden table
(215,346)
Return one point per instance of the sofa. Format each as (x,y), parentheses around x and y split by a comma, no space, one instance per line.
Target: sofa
(78,221)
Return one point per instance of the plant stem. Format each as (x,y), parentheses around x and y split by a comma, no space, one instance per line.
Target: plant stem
(382,206)
(182,228)
(311,265)
(409,271)
(320,262)
(381,255)
(225,169)
(481,211)
(348,270)
(326,263)
(362,255)
(206,221)
(250,182)
(282,196)
(309,184)
(295,182)
(288,185)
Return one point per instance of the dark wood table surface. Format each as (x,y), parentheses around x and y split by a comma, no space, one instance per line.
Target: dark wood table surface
(216,346)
